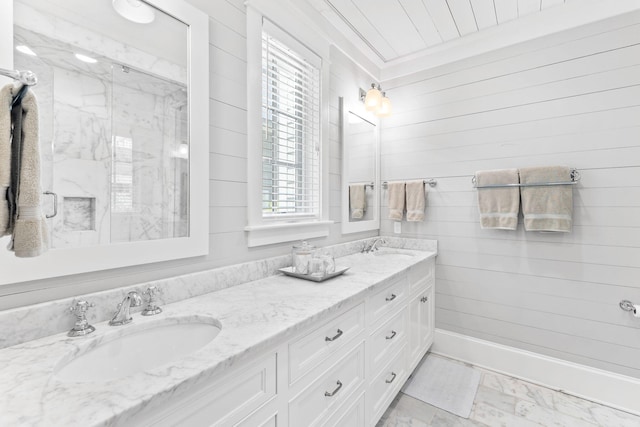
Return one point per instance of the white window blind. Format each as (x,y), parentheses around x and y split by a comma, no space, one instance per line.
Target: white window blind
(290,128)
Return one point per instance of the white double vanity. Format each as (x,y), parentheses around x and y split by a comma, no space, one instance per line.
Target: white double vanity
(288,352)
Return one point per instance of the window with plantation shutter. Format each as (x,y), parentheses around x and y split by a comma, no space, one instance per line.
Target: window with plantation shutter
(290,129)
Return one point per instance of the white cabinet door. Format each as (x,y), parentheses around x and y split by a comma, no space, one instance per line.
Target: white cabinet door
(421,325)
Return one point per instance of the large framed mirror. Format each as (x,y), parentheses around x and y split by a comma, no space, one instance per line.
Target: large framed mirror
(123,127)
(360,169)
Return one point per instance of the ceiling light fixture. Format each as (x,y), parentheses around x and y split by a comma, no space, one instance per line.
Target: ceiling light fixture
(376,101)
(25,49)
(134,10)
(85,58)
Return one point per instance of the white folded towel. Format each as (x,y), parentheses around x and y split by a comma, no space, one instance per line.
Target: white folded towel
(498,207)
(396,200)
(357,200)
(6,97)
(30,232)
(416,200)
(547,208)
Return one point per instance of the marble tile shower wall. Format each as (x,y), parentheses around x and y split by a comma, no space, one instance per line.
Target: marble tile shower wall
(148,113)
(81,140)
(40,320)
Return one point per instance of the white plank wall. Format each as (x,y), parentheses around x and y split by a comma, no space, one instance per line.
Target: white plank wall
(228,169)
(568,99)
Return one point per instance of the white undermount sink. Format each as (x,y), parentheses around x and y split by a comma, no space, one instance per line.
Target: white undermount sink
(136,348)
(392,252)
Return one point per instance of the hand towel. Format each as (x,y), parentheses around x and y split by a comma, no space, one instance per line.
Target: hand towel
(30,234)
(5,156)
(357,200)
(498,206)
(547,208)
(416,200)
(16,158)
(396,200)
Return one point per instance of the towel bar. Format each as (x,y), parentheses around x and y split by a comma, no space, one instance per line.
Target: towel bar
(627,305)
(575,177)
(365,184)
(432,182)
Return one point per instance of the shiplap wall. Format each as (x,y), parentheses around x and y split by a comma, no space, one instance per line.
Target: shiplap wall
(568,99)
(227,169)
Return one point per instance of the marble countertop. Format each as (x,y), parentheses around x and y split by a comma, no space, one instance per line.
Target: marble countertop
(254,316)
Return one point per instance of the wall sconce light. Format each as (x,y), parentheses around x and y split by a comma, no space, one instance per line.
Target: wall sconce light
(385,107)
(376,101)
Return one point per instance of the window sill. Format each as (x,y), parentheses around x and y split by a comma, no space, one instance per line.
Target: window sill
(260,235)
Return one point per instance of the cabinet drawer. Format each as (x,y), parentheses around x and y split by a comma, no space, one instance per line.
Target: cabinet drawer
(225,402)
(353,416)
(329,391)
(385,386)
(310,350)
(387,299)
(422,274)
(265,417)
(386,340)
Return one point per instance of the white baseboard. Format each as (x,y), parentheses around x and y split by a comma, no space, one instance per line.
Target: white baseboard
(608,388)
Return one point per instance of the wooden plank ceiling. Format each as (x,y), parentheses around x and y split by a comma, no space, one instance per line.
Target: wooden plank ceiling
(394,29)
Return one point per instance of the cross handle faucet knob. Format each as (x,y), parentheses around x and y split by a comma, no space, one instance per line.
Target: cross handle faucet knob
(152,306)
(81,327)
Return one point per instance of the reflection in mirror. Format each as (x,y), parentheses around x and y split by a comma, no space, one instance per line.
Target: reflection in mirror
(123,131)
(113,119)
(359,135)
(360,159)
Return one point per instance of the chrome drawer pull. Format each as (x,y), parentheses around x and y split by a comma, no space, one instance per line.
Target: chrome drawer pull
(335,337)
(424,299)
(390,337)
(393,377)
(330,394)
(391,298)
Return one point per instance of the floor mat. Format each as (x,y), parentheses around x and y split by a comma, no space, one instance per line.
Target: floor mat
(445,384)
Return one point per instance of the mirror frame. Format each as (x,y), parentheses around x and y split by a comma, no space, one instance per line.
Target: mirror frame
(67,261)
(373,224)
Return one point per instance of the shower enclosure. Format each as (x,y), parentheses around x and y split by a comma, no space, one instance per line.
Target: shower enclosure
(114,143)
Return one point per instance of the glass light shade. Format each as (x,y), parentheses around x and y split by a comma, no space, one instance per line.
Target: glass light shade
(135,11)
(373,99)
(385,107)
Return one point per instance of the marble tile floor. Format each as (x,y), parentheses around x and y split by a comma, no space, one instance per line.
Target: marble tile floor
(503,401)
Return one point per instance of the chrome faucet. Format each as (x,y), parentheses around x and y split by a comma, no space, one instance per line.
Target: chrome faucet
(373,247)
(123,315)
